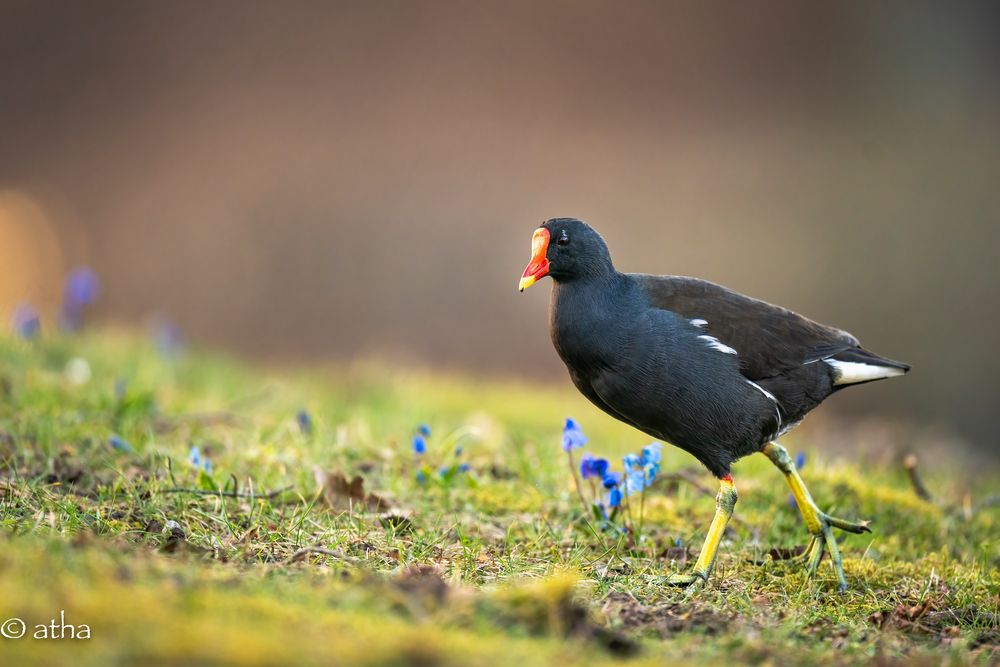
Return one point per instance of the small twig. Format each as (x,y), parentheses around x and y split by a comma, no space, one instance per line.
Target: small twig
(967,509)
(305,551)
(227,494)
(910,463)
(685,476)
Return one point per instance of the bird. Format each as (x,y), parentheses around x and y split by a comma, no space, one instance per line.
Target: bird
(716,373)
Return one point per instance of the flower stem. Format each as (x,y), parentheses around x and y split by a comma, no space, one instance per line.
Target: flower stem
(577,482)
(642,517)
(627,516)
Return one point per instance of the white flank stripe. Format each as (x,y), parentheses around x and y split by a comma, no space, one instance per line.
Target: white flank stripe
(851,372)
(699,323)
(777,411)
(714,343)
(762,390)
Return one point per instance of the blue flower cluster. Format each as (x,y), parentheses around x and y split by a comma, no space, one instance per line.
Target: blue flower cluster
(446,472)
(640,470)
(199,461)
(80,290)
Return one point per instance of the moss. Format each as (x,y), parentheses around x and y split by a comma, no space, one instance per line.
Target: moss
(494,567)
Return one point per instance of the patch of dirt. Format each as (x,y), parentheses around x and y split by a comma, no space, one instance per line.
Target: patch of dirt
(423,582)
(667,618)
(500,471)
(675,554)
(941,622)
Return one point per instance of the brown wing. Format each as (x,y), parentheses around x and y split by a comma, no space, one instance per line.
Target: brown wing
(769,339)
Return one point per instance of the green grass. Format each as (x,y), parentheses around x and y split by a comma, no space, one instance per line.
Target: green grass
(496,567)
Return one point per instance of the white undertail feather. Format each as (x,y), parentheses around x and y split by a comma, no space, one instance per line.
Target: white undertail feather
(852,372)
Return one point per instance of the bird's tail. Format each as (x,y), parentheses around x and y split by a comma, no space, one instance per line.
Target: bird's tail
(858,365)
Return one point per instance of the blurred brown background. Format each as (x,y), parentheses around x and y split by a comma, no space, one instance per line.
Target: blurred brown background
(321,180)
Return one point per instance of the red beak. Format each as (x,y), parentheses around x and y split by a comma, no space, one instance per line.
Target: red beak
(538,267)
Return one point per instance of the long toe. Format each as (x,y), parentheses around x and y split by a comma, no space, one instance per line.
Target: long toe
(692,582)
(804,557)
(683,580)
(852,527)
(826,542)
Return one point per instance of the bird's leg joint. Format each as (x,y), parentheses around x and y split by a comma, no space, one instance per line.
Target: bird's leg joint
(725,500)
(779,457)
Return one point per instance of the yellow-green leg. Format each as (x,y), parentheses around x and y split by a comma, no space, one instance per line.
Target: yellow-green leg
(724,504)
(820,524)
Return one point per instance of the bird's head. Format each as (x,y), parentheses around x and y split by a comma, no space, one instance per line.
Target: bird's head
(566,249)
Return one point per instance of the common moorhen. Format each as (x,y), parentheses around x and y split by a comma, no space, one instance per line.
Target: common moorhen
(718,374)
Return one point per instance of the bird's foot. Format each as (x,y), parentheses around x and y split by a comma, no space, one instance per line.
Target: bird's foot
(724,504)
(821,526)
(692,583)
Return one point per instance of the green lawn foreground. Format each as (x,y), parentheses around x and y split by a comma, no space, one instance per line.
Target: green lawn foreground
(497,565)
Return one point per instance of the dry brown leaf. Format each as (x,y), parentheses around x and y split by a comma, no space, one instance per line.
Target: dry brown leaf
(342,494)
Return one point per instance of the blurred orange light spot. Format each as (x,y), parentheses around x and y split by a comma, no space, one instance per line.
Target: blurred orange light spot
(31,262)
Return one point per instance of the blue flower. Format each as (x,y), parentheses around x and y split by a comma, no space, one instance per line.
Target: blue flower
(678,542)
(118,444)
(635,481)
(25,321)
(421,477)
(196,459)
(424,430)
(591,466)
(652,453)
(419,444)
(611,479)
(167,338)
(615,497)
(800,460)
(465,467)
(80,290)
(631,462)
(305,422)
(651,470)
(572,437)
(82,287)
(459,450)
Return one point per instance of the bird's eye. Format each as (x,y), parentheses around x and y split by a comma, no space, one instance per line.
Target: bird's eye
(563,238)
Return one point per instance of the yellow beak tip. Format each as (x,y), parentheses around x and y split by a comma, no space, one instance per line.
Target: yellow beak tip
(525,283)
